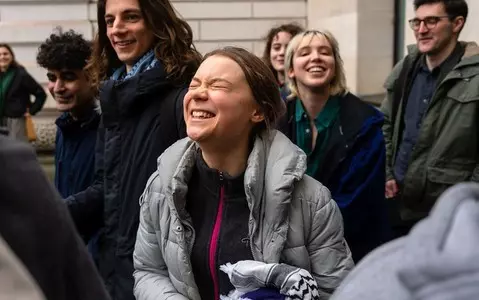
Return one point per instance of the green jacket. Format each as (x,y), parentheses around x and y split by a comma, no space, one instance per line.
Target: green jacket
(447,149)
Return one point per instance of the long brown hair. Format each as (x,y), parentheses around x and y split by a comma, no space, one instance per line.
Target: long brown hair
(174,43)
(261,81)
(9,48)
(291,28)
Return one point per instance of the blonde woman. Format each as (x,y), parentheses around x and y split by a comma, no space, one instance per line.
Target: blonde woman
(340,134)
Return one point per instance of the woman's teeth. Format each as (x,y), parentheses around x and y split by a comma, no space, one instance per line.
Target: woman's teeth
(202,114)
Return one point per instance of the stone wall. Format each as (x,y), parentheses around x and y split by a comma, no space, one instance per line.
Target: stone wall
(26,23)
(365,32)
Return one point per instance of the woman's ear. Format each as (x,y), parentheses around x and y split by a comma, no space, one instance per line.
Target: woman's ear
(257,116)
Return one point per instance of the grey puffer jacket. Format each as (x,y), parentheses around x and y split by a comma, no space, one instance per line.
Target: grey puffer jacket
(293,220)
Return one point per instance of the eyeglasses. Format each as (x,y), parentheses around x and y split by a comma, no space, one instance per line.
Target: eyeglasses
(429,22)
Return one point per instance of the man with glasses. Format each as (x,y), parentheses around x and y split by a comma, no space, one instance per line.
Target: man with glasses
(431,113)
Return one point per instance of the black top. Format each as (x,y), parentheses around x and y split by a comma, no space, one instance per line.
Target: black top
(18,95)
(75,152)
(36,225)
(141,117)
(216,200)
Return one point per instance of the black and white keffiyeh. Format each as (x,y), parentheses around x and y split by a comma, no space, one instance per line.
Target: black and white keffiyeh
(250,278)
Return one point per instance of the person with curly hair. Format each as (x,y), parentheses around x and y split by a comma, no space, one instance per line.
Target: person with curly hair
(65,56)
(143,59)
(277,41)
(16,88)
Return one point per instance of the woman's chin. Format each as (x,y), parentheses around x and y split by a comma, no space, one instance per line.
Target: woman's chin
(196,135)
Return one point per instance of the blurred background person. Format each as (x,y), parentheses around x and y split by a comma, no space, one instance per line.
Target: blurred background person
(341,135)
(16,88)
(277,41)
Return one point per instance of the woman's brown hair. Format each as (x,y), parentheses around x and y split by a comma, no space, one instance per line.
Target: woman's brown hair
(291,28)
(261,81)
(9,48)
(174,43)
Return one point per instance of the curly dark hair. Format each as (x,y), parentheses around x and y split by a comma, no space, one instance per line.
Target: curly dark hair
(173,43)
(291,28)
(67,50)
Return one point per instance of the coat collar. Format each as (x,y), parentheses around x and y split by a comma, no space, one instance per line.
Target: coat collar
(273,167)
(132,95)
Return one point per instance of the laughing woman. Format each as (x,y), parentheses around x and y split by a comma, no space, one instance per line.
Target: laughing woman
(341,135)
(235,190)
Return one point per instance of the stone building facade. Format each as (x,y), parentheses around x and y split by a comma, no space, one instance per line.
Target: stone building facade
(372,34)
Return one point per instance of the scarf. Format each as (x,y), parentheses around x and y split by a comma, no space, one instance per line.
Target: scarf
(5,81)
(255,280)
(146,62)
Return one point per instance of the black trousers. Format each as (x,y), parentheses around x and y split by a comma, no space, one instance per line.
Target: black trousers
(399,226)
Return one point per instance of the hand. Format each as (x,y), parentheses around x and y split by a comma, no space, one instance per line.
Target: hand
(391,189)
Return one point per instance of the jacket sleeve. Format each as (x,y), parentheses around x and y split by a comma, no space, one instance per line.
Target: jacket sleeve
(151,273)
(86,207)
(359,193)
(386,109)
(38,228)
(35,89)
(329,254)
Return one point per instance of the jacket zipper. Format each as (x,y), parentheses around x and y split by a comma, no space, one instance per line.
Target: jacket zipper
(214,240)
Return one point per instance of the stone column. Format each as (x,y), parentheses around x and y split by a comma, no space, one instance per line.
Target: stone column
(365,31)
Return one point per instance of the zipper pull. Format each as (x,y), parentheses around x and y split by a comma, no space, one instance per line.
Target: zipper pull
(221,177)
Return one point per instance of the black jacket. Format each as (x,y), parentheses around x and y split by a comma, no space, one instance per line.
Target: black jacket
(208,191)
(141,117)
(36,225)
(18,95)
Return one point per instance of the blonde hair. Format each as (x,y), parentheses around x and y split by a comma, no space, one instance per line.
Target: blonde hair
(338,85)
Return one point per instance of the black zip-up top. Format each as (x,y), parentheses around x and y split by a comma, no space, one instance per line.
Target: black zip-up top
(217,205)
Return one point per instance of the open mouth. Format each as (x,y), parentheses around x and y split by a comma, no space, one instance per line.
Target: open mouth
(316,70)
(124,43)
(202,114)
(63,100)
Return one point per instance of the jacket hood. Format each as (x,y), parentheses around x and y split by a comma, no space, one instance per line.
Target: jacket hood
(437,260)
(273,166)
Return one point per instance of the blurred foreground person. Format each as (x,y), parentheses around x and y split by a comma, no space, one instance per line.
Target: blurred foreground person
(437,260)
(15,280)
(37,226)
